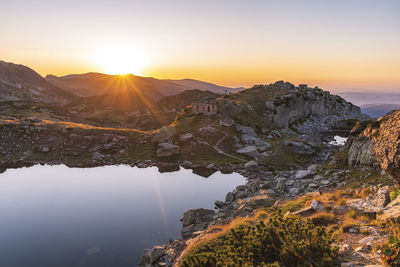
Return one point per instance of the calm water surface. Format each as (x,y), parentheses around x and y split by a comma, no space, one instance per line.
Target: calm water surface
(58,216)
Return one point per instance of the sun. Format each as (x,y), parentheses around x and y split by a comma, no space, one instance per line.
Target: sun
(120,59)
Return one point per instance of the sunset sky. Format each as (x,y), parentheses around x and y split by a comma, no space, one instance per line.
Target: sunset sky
(340,44)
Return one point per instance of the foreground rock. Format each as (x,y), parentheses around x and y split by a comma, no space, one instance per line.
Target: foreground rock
(196,220)
(373,203)
(387,144)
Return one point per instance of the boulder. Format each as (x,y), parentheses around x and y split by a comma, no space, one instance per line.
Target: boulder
(300,147)
(156,253)
(248,139)
(229,197)
(187,164)
(226,121)
(164,134)
(391,211)
(97,156)
(246,130)
(373,203)
(250,151)
(251,165)
(186,137)
(301,174)
(262,145)
(167,150)
(361,152)
(195,220)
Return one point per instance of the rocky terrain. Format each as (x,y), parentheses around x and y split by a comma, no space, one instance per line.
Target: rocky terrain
(275,135)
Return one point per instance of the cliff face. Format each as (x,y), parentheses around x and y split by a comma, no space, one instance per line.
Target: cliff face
(311,103)
(361,152)
(377,142)
(387,144)
(299,108)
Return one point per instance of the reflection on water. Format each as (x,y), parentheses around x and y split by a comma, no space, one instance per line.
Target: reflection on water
(104,216)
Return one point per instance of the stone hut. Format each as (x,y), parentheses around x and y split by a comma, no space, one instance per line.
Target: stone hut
(207,106)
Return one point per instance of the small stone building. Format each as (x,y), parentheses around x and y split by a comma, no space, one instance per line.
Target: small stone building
(207,106)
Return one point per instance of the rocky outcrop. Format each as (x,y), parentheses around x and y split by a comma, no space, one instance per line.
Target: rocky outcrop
(361,152)
(387,144)
(303,104)
(194,221)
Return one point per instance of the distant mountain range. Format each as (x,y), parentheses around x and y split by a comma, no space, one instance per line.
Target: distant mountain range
(93,84)
(378,110)
(360,98)
(18,82)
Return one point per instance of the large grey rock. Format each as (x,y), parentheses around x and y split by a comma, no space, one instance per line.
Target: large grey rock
(301,174)
(262,145)
(300,147)
(250,151)
(251,165)
(195,220)
(246,130)
(156,253)
(165,133)
(391,211)
(186,137)
(167,150)
(97,156)
(361,152)
(248,139)
(374,203)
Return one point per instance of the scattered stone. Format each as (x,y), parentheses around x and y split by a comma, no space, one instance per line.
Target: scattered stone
(187,164)
(251,166)
(97,156)
(167,150)
(367,239)
(301,174)
(250,151)
(186,137)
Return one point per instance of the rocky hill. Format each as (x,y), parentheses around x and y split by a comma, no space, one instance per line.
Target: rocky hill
(20,83)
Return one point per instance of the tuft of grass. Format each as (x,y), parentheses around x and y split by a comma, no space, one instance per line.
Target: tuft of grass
(323,218)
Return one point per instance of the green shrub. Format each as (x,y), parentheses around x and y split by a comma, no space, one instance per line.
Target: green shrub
(323,218)
(289,241)
(393,194)
(391,249)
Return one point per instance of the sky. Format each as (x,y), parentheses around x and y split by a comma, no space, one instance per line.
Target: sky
(338,44)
